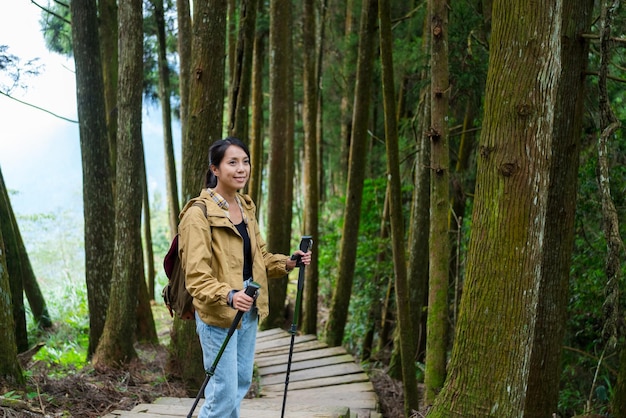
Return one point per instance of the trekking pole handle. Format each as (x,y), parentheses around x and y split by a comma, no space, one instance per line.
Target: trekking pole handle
(305,246)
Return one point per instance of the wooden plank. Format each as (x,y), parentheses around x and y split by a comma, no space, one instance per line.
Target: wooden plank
(280,342)
(306,364)
(312,374)
(317,383)
(265,361)
(304,346)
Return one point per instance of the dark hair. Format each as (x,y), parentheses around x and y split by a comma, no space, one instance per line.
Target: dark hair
(216,155)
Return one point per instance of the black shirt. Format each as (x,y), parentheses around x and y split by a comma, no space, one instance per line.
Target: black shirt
(247,250)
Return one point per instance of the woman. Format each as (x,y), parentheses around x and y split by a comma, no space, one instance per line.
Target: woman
(220,254)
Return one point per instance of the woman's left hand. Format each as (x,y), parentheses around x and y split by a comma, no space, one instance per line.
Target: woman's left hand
(305,258)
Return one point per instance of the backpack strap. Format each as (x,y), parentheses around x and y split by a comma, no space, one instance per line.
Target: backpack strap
(202,206)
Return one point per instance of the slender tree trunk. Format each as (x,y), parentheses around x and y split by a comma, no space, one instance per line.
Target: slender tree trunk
(280,183)
(98,201)
(10,370)
(350,42)
(311,193)
(184,58)
(256,122)
(439,244)
(409,383)
(356,174)
(240,83)
(166,116)
(515,291)
(116,345)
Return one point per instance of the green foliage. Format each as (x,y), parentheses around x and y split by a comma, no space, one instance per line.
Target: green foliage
(373,268)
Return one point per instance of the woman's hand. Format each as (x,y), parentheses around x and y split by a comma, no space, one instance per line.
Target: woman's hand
(242,302)
(305,258)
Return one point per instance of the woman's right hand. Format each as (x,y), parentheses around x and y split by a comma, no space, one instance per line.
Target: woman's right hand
(242,302)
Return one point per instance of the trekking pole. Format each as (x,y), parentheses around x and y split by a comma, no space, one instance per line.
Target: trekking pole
(251,291)
(305,245)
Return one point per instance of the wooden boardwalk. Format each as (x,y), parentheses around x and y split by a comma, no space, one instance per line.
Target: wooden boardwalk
(324,382)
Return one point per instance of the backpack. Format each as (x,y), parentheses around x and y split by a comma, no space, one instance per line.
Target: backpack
(175,294)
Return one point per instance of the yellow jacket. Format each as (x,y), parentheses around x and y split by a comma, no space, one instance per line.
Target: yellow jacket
(211,253)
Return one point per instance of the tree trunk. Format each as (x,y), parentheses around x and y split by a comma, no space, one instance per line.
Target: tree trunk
(107,25)
(409,383)
(311,193)
(166,116)
(256,122)
(184,58)
(280,182)
(356,174)
(98,203)
(240,83)
(15,270)
(205,118)
(438,241)
(518,257)
(10,370)
(116,345)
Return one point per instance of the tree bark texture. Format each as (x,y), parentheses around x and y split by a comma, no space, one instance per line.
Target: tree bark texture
(206,95)
(356,175)
(508,338)
(10,370)
(409,382)
(116,345)
(107,25)
(280,164)
(183,15)
(98,204)
(439,239)
(310,164)
(240,83)
(15,270)
(256,119)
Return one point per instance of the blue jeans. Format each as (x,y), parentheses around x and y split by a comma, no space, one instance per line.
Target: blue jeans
(223,394)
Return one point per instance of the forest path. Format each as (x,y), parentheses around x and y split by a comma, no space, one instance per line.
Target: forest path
(323,382)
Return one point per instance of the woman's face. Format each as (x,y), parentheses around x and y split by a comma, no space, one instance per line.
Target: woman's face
(233,171)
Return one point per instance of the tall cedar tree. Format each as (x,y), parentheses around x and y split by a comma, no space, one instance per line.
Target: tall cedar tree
(356,175)
(515,293)
(311,191)
(240,83)
(165,92)
(204,126)
(438,241)
(116,344)
(98,205)
(409,382)
(280,182)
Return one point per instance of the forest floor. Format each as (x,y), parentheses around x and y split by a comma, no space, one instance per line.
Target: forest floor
(88,393)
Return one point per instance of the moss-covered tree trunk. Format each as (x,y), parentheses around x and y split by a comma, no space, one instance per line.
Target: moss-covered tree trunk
(310,163)
(98,203)
(409,382)
(356,175)
(183,18)
(280,163)
(438,239)
(107,29)
(116,345)
(508,338)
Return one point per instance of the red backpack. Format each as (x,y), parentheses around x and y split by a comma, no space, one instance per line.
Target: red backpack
(175,294)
